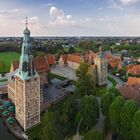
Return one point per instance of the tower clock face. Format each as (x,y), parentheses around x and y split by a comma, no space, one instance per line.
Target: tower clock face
(25,66)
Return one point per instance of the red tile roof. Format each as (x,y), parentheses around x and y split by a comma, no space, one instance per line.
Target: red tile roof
(51,59)
(133,81)
(114,62)
(77,57)
(74,58)
(64,58)
(41,65)
(130,91)
(14,65)
(108,56)
(134,69)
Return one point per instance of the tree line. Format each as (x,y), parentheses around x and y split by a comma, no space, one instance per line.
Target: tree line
(122,116)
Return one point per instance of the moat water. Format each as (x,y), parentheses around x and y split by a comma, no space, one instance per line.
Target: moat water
(4,133)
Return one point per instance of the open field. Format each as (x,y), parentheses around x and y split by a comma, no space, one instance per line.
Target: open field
(5,60)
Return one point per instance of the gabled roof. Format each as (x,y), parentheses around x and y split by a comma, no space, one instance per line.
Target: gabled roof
(74,58)
(133,81)
(114,62)
(78,58)
(134,69)
(51,59)
(108,56)
(41,65)
(64,58)
(130,91)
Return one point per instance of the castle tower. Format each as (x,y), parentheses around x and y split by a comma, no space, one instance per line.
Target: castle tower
(101,68)
(27,87)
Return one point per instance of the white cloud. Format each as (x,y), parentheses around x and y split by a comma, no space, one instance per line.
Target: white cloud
(127,2)
(11,13)
(60,23)
(56,13)
(115,5)
(59,18)
(47,4)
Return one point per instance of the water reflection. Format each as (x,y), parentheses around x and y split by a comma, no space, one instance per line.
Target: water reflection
(4,134)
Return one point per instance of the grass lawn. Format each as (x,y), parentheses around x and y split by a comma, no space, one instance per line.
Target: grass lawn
(7,58)
(101,90)
(34,132)
(3,80)
(114,83)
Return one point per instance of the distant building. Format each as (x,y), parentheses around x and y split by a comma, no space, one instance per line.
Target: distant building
(131,90)
(97,62)
(133,69)
(101,69)
(24,87)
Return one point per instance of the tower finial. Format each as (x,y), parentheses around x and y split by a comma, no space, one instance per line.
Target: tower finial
(26,22)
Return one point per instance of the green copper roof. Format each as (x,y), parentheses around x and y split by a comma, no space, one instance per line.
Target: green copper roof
(26,65)
(26,31)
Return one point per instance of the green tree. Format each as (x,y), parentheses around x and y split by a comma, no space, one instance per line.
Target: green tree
(114,90)
(50,130)
(71,50)
(82,70)
(114,113)
(136,126)
(89,111)
(67,113)
(85,84)
(93,135)
(127,113)
(106,101)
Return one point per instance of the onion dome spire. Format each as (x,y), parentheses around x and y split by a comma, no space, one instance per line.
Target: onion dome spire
(26,31)
(26,66)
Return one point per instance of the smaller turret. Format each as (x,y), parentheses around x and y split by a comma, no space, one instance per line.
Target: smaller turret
(101,54)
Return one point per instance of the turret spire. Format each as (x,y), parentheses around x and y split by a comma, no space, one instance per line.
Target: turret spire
(26,66)
(26,22)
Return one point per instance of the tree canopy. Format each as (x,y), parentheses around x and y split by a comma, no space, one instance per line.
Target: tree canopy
(114,113)
(93,135)
(71,50)
(85,84)
(89,111)
(106,101)
(136,126)
(50,130)
(127,113)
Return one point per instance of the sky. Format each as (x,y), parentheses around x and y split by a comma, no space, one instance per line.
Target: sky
(70,17)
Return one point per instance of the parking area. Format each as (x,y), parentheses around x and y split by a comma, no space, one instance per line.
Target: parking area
(64,72)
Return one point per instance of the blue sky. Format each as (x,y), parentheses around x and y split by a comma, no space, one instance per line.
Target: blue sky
(70,17)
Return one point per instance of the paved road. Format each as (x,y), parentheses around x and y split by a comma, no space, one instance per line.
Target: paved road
(118,80)
(100,123)
(101,120)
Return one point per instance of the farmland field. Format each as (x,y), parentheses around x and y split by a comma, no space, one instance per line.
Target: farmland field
(5,60)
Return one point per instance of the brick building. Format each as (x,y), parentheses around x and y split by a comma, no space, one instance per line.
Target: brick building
(97,62)
(24,87)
